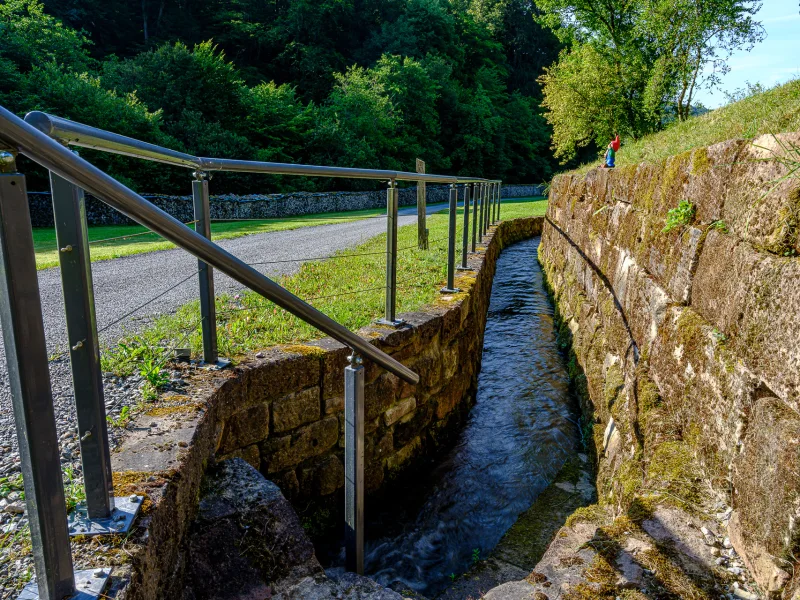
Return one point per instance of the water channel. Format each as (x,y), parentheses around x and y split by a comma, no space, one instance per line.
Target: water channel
(518,435)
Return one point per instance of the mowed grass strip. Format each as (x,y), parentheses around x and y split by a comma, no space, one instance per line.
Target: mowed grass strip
(776,110)
(349,289)
(44,238)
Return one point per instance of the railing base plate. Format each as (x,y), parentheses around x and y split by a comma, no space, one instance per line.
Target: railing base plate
(395,323)
(88,584)
(222,363)
(447,290)
(120,521)
(464,269)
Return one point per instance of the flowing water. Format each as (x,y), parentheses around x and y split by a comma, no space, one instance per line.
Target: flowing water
(517,436)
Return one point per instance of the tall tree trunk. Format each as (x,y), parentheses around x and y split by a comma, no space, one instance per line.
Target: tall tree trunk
(694,82)
(144,18)
(158,19)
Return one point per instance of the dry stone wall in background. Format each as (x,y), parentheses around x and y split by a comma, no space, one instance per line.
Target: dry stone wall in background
(259,206)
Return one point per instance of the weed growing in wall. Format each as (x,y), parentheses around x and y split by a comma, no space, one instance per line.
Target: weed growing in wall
(680,216)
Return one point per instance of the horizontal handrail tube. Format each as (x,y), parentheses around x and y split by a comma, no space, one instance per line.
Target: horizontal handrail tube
(42,149)
(251,166)
(86,136)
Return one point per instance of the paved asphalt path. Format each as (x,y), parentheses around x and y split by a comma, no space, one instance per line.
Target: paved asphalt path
(122,284)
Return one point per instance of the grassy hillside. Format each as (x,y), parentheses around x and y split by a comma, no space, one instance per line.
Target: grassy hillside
(775,111)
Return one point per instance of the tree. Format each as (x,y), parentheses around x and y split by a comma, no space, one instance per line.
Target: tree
(358,125)
(644,58)
(174,78)
(424,27)
(413,94)
(529,46)
(526,138)
(580,96)
(276,121)
(82,97)
(29,37)
(696,38)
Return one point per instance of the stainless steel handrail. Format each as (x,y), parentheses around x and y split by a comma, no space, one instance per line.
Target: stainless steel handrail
(42,149)
(78,134)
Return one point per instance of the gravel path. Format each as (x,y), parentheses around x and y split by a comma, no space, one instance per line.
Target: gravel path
(123,284)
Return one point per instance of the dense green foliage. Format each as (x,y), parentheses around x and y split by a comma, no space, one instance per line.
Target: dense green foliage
(373,83)
(634,66)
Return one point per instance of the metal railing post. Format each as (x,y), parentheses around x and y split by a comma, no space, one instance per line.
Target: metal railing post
(490,205)
(354,465)
(422,213)
(481,202)
(497,202)
(492,202)
(487,212)
(499,198)
(475,198)
(208,307)
(31,395)
(465,234)
(69,211)
(451,242)
(495,196)
(391,255)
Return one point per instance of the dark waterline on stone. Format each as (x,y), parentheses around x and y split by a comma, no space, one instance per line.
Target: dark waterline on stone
(516,438)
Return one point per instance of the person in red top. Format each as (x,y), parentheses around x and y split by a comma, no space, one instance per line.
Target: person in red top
(611,153)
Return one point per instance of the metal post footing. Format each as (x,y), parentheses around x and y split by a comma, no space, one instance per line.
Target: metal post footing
(392,323)
(460,268)
(222,363)
(447,290)
(88,584)
(119,521)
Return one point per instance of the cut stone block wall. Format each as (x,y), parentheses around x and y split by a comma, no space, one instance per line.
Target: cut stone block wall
(260,206)
(283,414)
(689,340)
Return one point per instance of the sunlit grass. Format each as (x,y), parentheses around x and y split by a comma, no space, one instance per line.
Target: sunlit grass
(44,238)
(349,289)
(775,111)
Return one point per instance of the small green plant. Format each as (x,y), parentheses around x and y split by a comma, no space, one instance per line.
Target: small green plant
(74,493)
(476,555)
(12,483)
(122,420)
(720,226)
(680,216)
(452,576)
(131,353)
(718,335)
(154,377)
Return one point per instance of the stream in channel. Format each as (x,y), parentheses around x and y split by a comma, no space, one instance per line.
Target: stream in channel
(518,435)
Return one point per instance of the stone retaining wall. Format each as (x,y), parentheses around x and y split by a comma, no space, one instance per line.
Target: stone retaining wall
(283,413)
(259,206)
(687,343)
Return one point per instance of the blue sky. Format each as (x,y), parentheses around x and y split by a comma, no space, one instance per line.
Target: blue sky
(775,60)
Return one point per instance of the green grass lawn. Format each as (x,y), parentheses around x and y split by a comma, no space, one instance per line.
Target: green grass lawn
(775,111)
(347,288)
(44,238)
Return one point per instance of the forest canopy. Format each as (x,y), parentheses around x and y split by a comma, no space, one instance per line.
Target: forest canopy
(507,89)
(368,83)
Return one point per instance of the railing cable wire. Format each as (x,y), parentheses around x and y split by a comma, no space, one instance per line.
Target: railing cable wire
(133,235)
(141,306)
